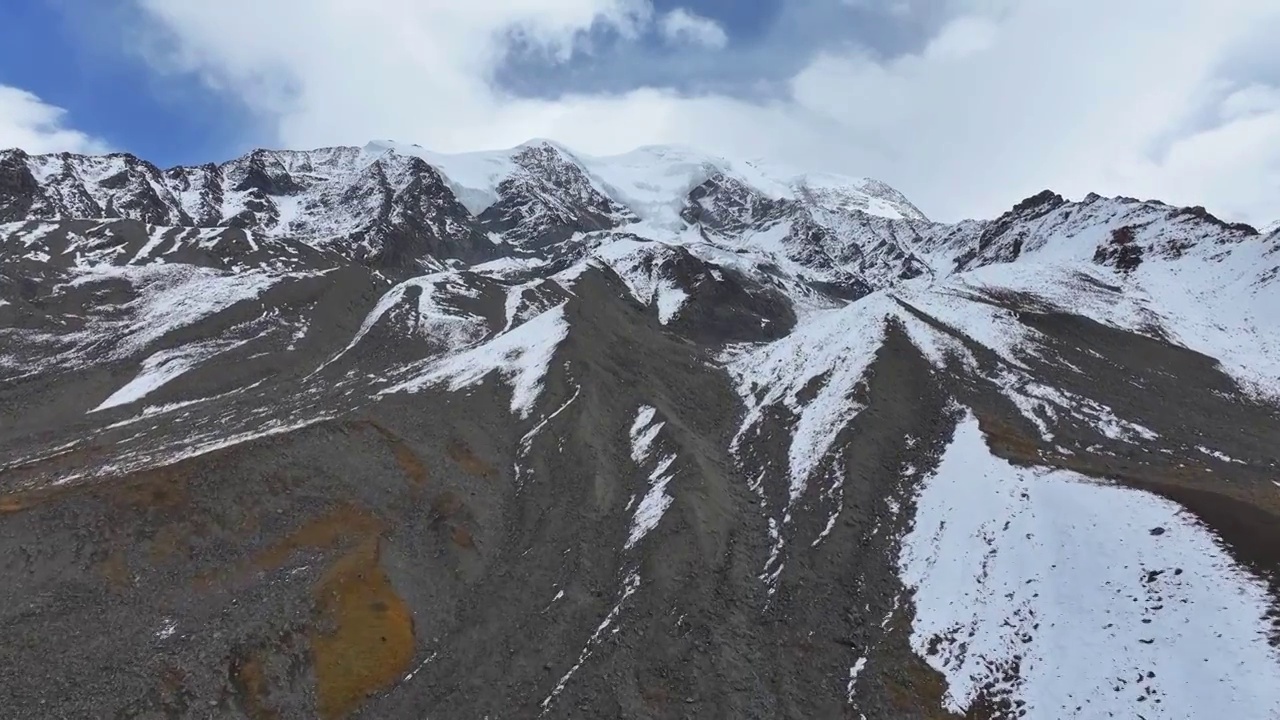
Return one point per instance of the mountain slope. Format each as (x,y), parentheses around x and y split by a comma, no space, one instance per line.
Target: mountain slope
(381,432)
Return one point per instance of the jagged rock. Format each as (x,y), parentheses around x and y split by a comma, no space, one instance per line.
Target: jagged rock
(385,433)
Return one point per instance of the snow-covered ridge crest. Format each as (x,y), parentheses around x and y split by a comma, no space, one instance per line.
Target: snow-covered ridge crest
(654,180)
(272,189)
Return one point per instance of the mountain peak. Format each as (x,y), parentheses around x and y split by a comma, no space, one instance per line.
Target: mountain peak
(603,411)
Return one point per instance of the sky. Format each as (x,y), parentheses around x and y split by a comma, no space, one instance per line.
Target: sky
(966,106)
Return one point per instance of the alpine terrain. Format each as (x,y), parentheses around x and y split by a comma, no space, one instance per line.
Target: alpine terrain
(375,432)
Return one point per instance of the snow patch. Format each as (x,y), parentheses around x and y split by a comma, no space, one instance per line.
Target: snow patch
(1220,455)
(653,505)
(162,367)
(854,672)
(815,372)
(521,357)
(1042,404)
(629,588)
(643,432)
(1093,598)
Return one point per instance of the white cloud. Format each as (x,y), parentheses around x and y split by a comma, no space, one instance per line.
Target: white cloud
(1256,99)
(683,26)
(1008,98)
(962,37)
(29,123)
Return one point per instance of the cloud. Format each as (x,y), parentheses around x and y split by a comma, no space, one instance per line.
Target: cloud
(682,26)
(997,99)
(29,123)
(961,38)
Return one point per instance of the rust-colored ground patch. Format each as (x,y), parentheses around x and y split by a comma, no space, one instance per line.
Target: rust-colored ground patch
(918,690)
(410,464)
(160,487)
(415,471)
(911,687)
(365,640)
(21,500)
(115,570)
(462,537)
(447,504)
(1006,441)
(465,458)
(362,641)
(342,525)
(452,516)
(170,542)
(249,678)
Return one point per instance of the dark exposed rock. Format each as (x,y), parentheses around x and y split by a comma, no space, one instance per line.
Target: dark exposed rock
(18,187)
(277,527)
(548,200)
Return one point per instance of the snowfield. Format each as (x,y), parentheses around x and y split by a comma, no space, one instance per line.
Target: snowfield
(1103,599)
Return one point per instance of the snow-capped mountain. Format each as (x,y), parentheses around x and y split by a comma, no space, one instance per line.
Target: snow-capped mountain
(382,432)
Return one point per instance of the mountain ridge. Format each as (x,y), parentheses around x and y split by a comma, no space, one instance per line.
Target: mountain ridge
(521,433)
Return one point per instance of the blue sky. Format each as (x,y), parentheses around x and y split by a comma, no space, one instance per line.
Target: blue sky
(967,106)
(83,56)
(77,55)
(72,54)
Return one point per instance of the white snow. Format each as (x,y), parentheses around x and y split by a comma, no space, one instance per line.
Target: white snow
(830,351)
(962,308)
(291,209)
(854,672)
(507,265)
(167,629)
(166,297)
(641,267)
(162,367)
(1217,297)
(1220,306)
(629,588)
(1040,403)
(517,305)
(670,299)
(207,442)
(155,238)
(436,320)
(643,433)
(520,356)
(426,661)
(652,181)
(174,296)
(1219,455)
(1108,599)
(473,176)
(526,442)
(653,505)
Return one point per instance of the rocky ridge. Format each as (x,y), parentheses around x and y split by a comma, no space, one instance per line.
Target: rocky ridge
(379,432)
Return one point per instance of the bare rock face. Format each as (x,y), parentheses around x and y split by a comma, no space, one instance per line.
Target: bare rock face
(381,433)
(18,187)
(549,199)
